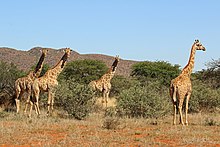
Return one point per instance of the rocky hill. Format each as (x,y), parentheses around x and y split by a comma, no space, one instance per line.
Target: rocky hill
(26,59)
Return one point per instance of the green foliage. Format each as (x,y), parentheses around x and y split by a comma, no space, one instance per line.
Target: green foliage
(120,83)
(74,98)
(84,71)
(211,76)
(150,101)
(203,98)
(150,71)
(8,74)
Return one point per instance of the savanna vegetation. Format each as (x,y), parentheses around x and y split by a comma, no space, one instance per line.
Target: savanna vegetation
(144,96)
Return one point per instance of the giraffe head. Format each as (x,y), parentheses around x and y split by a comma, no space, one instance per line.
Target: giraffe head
(198,46)
(115,63)
(44,51)
(39,66)
(67,52)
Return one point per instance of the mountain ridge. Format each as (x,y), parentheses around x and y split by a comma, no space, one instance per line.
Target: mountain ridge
(24,60)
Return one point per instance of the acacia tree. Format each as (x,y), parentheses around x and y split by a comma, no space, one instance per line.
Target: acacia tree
(161,71)
(84,71)
(8,74)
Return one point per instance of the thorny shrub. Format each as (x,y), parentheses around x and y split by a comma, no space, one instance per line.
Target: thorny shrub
(75,98)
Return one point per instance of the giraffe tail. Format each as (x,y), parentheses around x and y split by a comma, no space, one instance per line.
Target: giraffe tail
(173,92)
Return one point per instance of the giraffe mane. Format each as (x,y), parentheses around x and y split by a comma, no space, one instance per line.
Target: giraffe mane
(64,58)
(39,63)
(115,63)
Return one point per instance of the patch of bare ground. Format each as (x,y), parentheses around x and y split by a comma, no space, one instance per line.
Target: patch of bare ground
(18,130)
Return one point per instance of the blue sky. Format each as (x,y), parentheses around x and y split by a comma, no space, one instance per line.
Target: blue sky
(134,29)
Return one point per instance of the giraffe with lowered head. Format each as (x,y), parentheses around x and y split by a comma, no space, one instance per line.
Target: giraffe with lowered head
(181,86)
(104,83)
(48,83)
(23,84)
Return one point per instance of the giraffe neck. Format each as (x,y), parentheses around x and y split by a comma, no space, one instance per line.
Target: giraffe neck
(39,66)
(114,65)
(109,74)
(60,66)
(31,75)
(187,70)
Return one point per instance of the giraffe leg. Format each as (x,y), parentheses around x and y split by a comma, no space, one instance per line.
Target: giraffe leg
(37,108)
(52,100)
(174,115)
(31,107)
(103,97)
(27,101)
(19,93)
(187,105)
(49,102)
(106,99)
(180,109)
(173,95)
(35,101)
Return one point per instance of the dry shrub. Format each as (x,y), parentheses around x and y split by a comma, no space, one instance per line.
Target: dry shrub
(111,123)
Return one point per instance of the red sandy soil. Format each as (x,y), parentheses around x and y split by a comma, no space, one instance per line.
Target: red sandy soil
(21,131)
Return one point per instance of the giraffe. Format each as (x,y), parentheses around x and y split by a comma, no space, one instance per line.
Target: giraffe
(23,84)
(104,83)
(181,86)
(48,83)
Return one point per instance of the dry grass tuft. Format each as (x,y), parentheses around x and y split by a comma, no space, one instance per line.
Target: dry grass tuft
(98,130)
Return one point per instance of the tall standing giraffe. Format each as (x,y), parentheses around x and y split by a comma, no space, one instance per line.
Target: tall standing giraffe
(23,84)
(48,83)
(181,86)
(104,83)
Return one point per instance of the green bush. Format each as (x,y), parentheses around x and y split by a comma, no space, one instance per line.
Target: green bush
(8,74)
(160,71)
(75,98)
(84,71)
(120,83)
(150,101)
(203,98)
